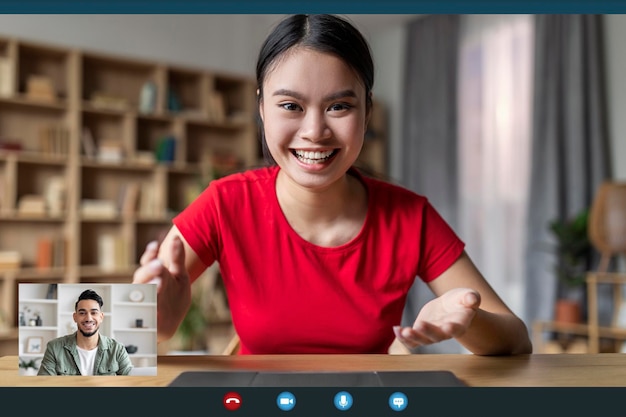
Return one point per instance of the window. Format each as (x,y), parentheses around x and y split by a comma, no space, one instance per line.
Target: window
(495,127)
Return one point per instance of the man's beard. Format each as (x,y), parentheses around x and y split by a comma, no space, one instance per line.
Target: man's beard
(88,334)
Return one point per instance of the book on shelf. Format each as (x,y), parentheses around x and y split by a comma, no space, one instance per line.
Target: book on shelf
(52,292)
(111,151)
(106,252)
(59,252)
(10,259)
(108,101)
(89,145)
(145,158)
(11,145)
(147,201)
(54,140)
(2,191)
(112,252)
(166,149)
(7,79)
(129,198)
(32,205)
(51,252)
(39,87)
(55,195)
(216,107)
(44,253)
(98,209)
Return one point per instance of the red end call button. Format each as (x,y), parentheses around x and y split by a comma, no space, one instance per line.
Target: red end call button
(232,401)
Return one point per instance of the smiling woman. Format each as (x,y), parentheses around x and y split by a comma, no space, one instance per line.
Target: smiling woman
(315,256)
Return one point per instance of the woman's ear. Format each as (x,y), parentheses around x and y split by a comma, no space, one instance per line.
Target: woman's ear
(259,100)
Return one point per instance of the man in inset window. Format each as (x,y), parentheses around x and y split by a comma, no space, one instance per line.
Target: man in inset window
(86,351)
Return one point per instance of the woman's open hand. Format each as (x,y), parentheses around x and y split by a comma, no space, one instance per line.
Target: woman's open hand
(445,317)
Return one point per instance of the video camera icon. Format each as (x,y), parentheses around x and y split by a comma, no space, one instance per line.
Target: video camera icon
(286,401)
(398,401)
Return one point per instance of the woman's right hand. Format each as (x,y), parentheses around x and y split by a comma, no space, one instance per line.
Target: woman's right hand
(173,283)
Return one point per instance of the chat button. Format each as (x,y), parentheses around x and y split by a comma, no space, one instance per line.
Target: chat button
(398,401)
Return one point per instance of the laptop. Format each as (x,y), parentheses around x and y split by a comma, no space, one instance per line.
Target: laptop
(317,379)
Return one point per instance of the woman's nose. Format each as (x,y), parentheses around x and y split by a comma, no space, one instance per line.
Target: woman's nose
(314,127)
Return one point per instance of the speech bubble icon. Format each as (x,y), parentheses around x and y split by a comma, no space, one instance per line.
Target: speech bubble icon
(398,402)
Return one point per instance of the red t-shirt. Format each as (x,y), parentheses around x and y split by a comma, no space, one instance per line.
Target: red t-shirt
(288,295)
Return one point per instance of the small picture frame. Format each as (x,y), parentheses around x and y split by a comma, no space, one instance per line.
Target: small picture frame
(34,344)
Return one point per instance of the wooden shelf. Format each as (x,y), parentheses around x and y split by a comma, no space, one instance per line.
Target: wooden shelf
(592,331)
(60,94)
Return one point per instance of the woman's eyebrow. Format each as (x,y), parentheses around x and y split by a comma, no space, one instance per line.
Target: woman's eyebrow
(330,97)
(290,93)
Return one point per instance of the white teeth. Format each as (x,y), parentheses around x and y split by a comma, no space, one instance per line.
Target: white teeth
(312,157)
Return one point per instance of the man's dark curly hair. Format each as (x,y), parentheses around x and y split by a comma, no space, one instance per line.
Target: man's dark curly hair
(89,295)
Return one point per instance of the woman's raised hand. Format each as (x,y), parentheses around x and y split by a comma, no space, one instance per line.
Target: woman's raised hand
(173,285)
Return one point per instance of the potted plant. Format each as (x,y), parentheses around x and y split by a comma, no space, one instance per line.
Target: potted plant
(29,367)
(573,250)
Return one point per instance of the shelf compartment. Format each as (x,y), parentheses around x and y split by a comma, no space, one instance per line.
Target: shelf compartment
(23,237)
(238,97)
(183,188)
(185,95)
(43,184)
(25,125)
(105,245)
(44,61)
(125,317)
(223,150)
(147,232)
(102,182)
(117,81)
(151,132)
(102,129)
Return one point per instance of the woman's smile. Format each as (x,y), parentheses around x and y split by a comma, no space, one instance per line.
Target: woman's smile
(314,159)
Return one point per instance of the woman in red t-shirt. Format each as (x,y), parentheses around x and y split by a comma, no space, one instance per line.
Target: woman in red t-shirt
(315,257)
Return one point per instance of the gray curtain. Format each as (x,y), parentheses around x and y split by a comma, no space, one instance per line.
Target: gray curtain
(570,142)
(429,135)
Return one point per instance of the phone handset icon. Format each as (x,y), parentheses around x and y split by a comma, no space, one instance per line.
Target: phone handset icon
(232,401)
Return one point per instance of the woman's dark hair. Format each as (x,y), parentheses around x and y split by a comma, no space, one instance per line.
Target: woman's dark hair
(320,32)
(89,295)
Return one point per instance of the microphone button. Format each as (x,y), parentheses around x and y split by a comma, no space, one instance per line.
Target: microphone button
(343,401)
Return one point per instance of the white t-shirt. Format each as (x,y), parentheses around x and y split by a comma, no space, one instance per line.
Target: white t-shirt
(87,360)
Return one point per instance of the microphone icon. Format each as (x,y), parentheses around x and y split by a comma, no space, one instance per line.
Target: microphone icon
(343,401)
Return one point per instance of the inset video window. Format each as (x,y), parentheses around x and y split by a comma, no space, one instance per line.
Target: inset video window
(87,329)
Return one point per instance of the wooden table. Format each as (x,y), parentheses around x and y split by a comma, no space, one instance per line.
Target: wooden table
(537,370)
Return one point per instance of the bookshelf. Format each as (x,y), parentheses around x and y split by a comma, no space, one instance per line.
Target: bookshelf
(98,153)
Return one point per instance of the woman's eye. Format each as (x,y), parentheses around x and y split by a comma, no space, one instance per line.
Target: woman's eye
(290,106)
(339,107)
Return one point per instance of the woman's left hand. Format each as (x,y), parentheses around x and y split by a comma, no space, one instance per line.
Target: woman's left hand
(445,317)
